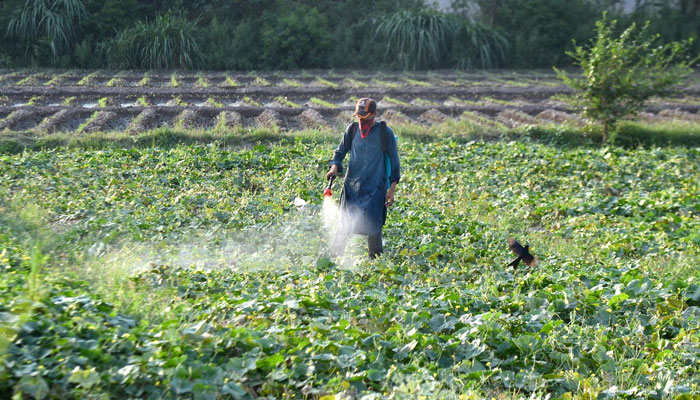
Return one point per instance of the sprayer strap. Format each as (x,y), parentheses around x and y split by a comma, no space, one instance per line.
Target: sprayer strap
(384,132)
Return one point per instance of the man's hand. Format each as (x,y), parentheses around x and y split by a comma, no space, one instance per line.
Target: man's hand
(332,172)
(389,198)
(389,201)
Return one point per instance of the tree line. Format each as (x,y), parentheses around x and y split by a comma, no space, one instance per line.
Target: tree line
(294,34)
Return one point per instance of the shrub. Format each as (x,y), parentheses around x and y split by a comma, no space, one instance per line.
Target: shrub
(168,42)
(216,45)
(50,22)
(620,73)
(478,46)
(296,38)
(540,31)
(416,40)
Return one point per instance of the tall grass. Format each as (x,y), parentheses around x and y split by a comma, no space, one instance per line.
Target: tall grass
(52,19)
(168,42)
(479,46)
(416,40)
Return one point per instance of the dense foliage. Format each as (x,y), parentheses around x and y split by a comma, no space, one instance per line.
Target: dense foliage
(192,271)
(288,34)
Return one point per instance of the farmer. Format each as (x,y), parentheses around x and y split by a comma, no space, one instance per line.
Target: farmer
(371,178)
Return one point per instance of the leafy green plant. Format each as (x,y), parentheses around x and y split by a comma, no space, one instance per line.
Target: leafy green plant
(416,40)
(170,41)
(621,72)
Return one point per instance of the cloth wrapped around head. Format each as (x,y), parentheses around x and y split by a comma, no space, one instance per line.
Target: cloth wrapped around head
(365,108)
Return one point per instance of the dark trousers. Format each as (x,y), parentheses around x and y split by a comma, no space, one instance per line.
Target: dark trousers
(374,244)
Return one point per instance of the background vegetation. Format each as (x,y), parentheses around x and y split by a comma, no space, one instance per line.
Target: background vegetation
(292,34)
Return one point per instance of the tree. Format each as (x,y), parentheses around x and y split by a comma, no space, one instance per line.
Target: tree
(620,73)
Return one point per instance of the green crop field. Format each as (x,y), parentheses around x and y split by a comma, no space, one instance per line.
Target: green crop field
(152,270)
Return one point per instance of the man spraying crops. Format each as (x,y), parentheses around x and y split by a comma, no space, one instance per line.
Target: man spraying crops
(370,180)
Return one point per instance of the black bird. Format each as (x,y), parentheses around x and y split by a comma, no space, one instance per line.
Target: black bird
(523,254)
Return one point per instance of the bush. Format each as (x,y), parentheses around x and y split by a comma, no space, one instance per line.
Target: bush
(620,73)
(168,42)
(478,46)
(283,37)
(296,38)
(48,23)
(540,31)
(216,46)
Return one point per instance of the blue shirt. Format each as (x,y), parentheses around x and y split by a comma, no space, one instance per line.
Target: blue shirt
(364,191)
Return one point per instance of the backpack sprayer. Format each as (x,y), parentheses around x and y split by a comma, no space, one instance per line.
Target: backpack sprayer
(328,192)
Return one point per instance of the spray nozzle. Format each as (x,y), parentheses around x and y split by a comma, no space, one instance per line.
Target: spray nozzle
(328,192)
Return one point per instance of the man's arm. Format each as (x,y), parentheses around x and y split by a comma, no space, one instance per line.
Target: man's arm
(336,163)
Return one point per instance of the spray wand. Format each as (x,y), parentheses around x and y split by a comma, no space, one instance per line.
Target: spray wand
(328,192)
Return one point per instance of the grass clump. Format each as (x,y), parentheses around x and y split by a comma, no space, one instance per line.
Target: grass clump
(212,101)
(291,82)
(392,100)
(87,79)
(88,121)
(260,81)
(251,102)
(202,81)
(173,80)
(325,82)
(355,83)
(284,101)
(322,103)
(230,82)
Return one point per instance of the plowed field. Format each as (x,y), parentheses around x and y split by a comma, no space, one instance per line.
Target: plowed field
(77,101)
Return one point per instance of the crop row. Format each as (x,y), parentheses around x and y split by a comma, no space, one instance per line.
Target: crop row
(292,99)
(287,79)
(138,119)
